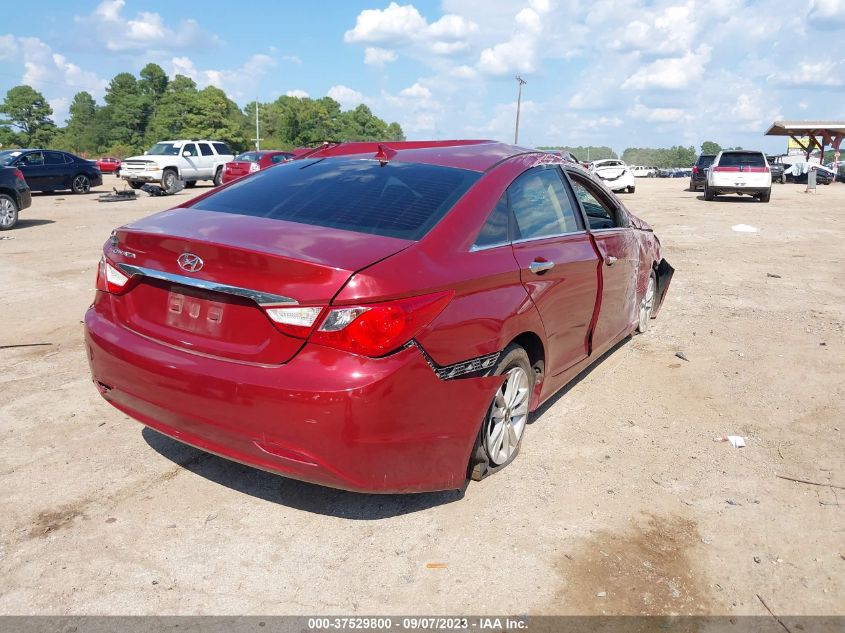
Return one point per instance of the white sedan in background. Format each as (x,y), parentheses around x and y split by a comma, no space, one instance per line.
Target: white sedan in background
(615,174)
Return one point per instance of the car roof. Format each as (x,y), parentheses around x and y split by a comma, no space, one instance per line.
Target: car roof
(474,155)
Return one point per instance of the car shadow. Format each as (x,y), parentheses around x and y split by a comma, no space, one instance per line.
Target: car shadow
(548,404)
(25,222)
(291,493)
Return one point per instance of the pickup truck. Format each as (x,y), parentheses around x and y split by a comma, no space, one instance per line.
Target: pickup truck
(169,161)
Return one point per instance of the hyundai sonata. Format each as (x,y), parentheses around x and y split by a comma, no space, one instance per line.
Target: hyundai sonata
(378,318)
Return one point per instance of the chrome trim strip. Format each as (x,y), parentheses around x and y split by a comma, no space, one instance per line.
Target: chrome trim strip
(264,299)
(475,249)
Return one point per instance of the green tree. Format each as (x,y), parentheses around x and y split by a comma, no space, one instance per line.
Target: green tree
(394,132)
(80,134)
(153,82)
(175,105)
(28,110)
(709,147)
(127,111)
(360,125)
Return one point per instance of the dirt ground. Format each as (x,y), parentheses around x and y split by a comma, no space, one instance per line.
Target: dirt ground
(620,502)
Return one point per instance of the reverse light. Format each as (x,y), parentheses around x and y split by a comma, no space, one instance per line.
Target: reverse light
(377,329)
(109,278)
(253,167)
(294,321)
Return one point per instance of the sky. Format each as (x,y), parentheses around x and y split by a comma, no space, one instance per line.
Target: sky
(624,73)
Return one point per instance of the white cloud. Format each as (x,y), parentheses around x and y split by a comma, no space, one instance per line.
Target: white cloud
(822,73)
(404,26)
(293,59)
(145,31)
(375,56)
(827,14)
(657,115)
(299,94)
(671,73)
(238,83)
(345,96)
(519,53)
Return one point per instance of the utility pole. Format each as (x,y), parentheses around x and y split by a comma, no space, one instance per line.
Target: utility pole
(521,82)
(257,138)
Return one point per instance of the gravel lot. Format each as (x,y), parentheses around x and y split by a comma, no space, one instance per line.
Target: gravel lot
(620,487)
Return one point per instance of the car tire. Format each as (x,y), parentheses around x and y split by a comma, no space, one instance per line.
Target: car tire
(708,192)
(218,177)
(169,181)
(8,212)
(136,184)
(80,184)
(190,184)
(766,196)
(631,189)
(503,427)
(647,304)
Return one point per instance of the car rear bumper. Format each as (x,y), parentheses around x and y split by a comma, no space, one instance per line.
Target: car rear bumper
(734,189)
(328,417)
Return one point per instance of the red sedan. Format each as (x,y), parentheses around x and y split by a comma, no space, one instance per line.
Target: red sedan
(108,164)
(370,317)
(250,162)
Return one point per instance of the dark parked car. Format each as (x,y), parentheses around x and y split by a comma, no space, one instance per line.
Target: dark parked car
(50,170)
(14,196)
(371,317)
(699,171)
(777,168)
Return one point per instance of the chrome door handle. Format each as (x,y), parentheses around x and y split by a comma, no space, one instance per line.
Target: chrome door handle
(540,267)
(610,260)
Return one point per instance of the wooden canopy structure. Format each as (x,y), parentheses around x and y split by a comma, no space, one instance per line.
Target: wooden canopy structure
(818,133)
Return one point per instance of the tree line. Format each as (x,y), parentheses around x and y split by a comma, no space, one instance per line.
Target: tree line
(661,157)
(140,111)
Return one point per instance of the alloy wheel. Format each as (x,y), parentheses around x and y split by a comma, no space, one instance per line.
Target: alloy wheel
(507,418)
(8,212)
(81,184)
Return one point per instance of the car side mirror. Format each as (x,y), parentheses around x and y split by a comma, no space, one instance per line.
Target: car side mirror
(186,153)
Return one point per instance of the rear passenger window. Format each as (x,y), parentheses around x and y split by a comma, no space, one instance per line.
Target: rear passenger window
(599,213)
(54,158)
(222,148)
(541,205)
(495,230)
(205,148)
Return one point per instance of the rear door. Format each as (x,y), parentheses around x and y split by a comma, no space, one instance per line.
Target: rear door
(557,262)
(58,170)
(206,160)
(619,254)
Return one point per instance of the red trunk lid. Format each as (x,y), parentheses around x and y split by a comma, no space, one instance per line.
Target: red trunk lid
(238,168)
(307,264)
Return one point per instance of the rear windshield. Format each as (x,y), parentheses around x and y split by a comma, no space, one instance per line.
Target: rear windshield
(403,200)
(706,160)
(248,157)
(742,159)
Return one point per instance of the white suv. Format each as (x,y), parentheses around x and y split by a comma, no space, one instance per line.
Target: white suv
(169,161)
(739,171)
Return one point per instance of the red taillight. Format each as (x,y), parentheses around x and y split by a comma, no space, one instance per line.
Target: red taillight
(379,328)
(695,169)
(19,175)
(253,167)
(110,279)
